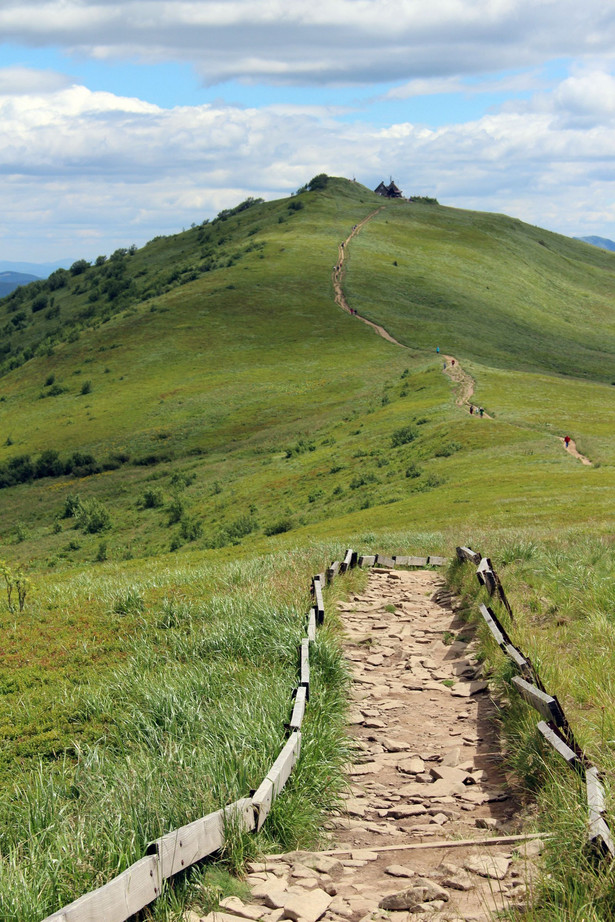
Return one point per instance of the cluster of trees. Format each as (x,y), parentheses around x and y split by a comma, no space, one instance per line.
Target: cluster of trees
(24,469)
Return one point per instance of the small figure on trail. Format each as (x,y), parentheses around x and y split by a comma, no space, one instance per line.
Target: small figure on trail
(480,411)
(452,361)
(471,410)
(444,366)
(438,349)
(567,440)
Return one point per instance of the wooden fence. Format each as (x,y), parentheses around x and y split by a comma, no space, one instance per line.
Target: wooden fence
(141,883)
(554,727)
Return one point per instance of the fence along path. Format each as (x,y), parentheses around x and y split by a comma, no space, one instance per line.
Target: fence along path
(554,728)
(141,883)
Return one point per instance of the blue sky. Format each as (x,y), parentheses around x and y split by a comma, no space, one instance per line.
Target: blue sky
(126,120)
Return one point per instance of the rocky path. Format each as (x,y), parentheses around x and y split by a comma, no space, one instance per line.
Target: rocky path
(428,829)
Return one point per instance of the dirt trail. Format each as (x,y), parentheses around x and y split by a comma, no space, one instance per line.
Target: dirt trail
(427,778)
(572,450)
(464,381)
(338,275)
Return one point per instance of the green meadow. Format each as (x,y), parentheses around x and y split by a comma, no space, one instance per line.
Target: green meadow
(191,429)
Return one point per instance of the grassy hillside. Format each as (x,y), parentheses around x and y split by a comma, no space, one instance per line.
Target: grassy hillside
(489,288)
(239,400)
(189,429)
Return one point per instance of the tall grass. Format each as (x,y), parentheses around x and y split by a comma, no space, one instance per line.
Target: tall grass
(193,720)
(562,594)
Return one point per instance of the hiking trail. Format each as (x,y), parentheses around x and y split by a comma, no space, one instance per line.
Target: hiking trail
(465,382)
(428,824)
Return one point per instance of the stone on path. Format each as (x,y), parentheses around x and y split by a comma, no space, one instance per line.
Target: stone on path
(398,870)
(309,907)
(492,866)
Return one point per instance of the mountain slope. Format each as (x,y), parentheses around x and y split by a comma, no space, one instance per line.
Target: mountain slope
(215,364)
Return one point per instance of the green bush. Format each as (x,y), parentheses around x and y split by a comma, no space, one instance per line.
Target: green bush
(153,498)
(403,436)
(279,527)
(92,516)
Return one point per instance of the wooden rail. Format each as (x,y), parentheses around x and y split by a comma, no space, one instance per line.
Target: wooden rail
(554,729)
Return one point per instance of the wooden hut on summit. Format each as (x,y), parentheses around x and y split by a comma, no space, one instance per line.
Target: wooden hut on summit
(390,191)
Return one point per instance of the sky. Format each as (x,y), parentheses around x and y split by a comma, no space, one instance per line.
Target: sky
(123,121)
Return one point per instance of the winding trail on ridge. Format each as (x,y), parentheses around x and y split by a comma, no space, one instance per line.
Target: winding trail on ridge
(465,382)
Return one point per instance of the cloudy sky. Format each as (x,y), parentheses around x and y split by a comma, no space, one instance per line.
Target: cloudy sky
(121,121)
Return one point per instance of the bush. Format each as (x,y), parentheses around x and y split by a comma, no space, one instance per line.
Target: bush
(279,527)
(445,451)
(190,529)
(412,471)
(176,509)
(153,498)
(86,388)
(403,436)
(92,516)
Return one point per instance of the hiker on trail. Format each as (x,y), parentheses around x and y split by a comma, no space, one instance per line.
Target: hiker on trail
(438,349)
(471,410)
(481,411)
(567,441)
(444,367)
(452,361)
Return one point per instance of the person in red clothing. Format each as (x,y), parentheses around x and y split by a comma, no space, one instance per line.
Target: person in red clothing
(567,441)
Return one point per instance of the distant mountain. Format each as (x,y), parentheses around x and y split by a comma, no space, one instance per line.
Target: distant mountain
(39,270)
(11,280)
(602,242)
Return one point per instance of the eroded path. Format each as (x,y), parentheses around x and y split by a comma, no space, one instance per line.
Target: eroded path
(463,381)
(426,783)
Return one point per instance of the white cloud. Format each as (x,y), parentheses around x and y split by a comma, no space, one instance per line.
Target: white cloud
(318,41)
(84,172)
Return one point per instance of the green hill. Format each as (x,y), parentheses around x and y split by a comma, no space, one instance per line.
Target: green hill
(188,430)
(218,356)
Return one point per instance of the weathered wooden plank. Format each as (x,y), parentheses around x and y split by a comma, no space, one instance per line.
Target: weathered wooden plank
(466,553)
(304,668)
(487,614)
(560,746)
(595,795)
(417,562)
(332,571)
(506,641)
(320,605)
(546,705)
(117,900)
(347,561)
(367,560)
(382,560)
(311,628)
(298,709)
(435,561)
(179,849)
(486,576)
(600,836)
(517,657)
(277,776)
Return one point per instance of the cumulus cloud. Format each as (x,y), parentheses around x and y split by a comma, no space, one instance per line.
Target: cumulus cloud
(83,172)
(318,41)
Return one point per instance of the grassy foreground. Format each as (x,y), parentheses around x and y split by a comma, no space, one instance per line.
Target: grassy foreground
(190,720)
(562,594)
